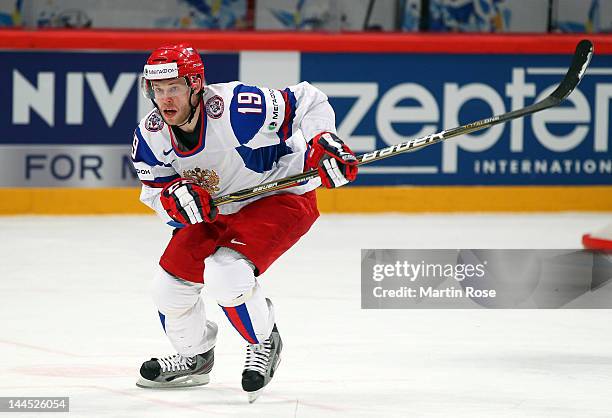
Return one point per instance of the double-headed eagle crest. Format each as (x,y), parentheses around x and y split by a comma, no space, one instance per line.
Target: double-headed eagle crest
(206,178)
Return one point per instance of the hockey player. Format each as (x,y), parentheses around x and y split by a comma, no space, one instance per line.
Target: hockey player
(203,141)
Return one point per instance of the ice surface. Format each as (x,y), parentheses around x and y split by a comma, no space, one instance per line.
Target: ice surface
(78,320)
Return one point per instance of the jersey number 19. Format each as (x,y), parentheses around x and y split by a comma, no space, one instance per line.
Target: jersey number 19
(252,99)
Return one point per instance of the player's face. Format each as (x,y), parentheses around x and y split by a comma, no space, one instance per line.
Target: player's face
(172,98)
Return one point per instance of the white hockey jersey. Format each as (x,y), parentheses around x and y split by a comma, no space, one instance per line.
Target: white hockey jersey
(249,135)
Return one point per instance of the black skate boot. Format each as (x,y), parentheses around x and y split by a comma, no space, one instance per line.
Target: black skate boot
(261,363)
(176,371)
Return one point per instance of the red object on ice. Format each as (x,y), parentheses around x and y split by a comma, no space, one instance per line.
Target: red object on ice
(591,242)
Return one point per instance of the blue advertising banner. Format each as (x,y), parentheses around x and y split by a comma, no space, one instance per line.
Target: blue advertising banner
(68,117)
(81,98)
(384,99)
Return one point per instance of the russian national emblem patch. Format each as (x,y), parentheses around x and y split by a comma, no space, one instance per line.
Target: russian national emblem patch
(206,178)
(214,107)
(154,122)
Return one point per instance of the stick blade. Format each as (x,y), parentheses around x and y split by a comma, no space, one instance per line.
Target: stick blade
(580,62)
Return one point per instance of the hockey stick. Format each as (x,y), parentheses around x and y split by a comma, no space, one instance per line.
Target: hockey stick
(582,57)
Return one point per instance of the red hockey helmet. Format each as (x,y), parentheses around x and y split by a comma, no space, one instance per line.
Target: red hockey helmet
(170,62)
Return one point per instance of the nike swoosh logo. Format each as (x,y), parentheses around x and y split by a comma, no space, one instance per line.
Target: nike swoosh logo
(233,241)
(166,153)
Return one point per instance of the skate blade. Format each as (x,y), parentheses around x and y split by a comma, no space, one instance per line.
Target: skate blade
(182,382)
(254,395)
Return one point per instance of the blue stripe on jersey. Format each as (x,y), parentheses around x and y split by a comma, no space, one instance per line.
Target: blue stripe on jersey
(162,318)
(143,152)
(286,129)
(160,182)
(175,224)
(247,112)
(263,159)
(166,179)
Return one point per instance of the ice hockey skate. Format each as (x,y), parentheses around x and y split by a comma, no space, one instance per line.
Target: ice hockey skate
(262,360)
(176,371)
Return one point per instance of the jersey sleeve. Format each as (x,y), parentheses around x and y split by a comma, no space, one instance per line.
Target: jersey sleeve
(312,112)
(278,114)
(154,176)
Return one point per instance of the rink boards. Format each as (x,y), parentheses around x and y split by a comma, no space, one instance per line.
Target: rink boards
(72,107)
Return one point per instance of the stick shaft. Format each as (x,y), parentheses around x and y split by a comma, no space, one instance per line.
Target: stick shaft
(580,61)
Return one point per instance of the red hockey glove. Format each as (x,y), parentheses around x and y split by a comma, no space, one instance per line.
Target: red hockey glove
(187,202)
(335,161)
